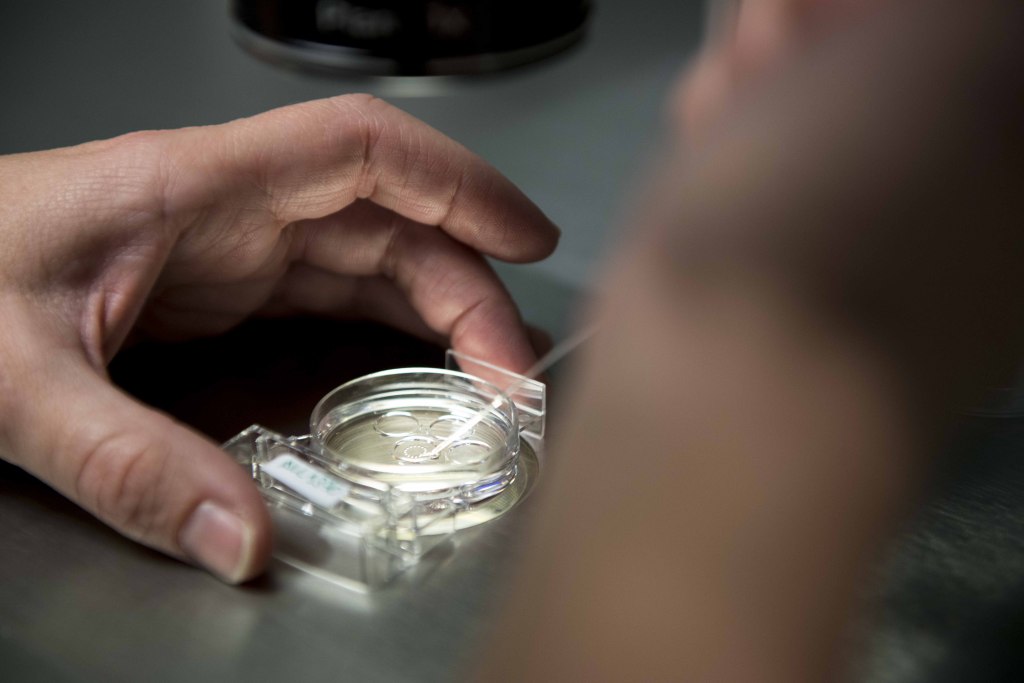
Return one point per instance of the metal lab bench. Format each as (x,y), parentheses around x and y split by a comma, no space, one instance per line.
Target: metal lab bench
(78,602)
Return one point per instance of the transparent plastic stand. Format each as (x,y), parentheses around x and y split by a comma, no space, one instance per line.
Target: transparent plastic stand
(529,395)
(439,443)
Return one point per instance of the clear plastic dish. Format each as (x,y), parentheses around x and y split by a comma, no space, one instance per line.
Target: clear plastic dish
(394,464)
(434,433)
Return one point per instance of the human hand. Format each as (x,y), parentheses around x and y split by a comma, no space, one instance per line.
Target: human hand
(340,206)
(807,295)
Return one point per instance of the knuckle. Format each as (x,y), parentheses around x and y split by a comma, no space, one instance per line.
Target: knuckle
(359,100)
(120,479)
(139,152)
(362,115)
(130,180)
(138,142)
(372,115)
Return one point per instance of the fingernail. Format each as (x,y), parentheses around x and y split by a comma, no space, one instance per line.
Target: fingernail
(219,541)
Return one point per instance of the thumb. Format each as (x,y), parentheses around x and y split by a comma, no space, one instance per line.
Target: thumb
(147,476)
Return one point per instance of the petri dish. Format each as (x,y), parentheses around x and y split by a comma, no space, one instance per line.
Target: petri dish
(435,434)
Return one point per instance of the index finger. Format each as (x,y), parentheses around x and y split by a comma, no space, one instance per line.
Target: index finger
(313,159)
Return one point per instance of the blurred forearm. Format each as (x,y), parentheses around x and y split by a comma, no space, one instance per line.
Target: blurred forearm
(828,274)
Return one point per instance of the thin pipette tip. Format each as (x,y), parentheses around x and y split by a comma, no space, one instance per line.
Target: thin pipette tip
(557,353)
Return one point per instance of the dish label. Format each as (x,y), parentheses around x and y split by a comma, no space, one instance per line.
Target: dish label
(307,480)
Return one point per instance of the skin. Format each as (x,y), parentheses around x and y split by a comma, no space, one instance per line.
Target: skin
(749,41)
(344,206)
(823,272)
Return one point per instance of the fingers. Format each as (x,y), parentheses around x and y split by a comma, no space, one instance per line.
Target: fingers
(313,159)
(308,289)
(700,95)
(746,40)
(453,289)
(148,477)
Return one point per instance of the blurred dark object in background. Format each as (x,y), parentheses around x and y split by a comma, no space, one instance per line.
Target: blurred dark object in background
(404,38)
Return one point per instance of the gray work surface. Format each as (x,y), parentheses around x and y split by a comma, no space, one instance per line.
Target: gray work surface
(78,602)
